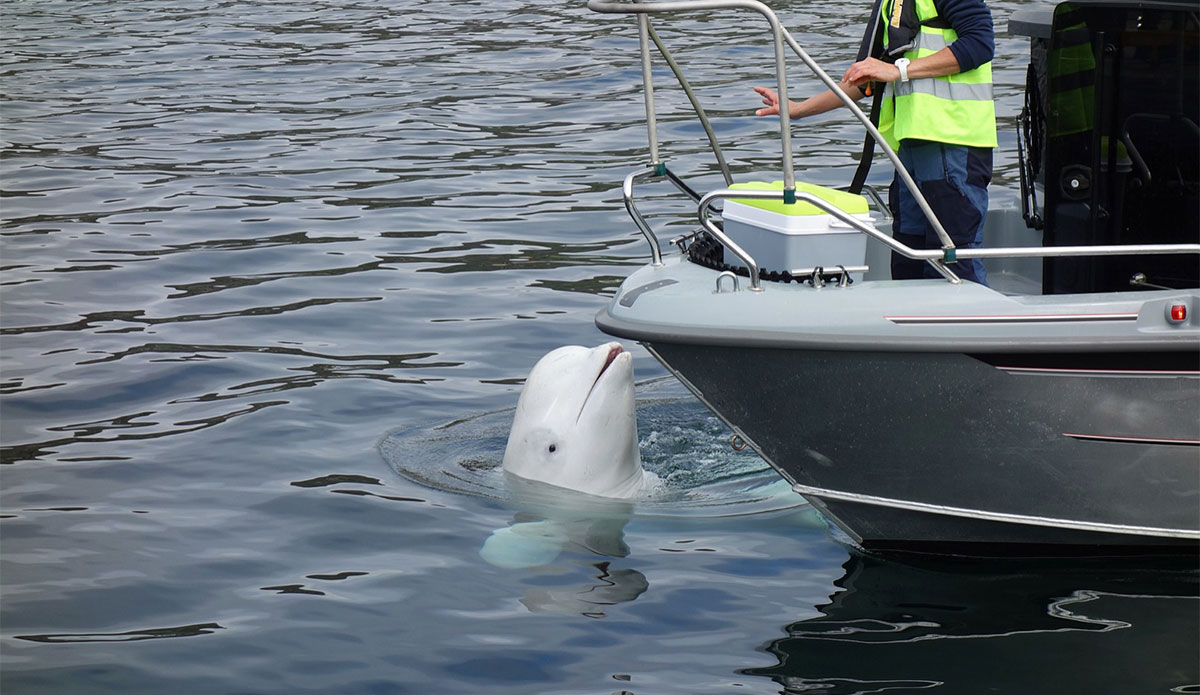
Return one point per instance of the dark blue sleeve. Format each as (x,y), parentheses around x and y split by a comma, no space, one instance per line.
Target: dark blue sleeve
(972,21)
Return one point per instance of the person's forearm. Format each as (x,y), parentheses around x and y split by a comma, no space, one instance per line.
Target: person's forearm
(874,70)
(825,101)
(944,62)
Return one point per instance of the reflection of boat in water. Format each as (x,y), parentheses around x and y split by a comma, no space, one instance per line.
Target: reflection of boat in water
(1058,408)
(981,627)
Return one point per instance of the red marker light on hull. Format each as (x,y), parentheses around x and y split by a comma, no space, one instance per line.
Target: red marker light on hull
(1177,313)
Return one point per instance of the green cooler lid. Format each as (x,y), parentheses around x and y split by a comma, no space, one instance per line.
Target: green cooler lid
(846,202)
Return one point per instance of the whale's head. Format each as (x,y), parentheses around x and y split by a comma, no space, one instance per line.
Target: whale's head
(575,425)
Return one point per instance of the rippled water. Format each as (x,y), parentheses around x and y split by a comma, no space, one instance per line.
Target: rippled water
(252,250)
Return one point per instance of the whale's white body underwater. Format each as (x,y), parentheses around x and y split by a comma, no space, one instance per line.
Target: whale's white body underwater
(575,425)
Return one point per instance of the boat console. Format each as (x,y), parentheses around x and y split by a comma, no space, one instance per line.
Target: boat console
(1111,141)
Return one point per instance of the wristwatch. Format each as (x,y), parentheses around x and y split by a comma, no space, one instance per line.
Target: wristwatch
(902,64)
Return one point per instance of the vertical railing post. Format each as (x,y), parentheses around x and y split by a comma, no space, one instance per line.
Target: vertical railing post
(648,87)
(785,116)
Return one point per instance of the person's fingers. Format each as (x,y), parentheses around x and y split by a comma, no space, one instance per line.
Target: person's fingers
(770,99)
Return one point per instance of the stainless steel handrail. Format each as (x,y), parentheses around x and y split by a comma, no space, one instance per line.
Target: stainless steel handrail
(648,88)
(659,169)
(870,192)
(718,234)
(627,193)
(780,35)
(777,31)
(691,95)
(933,256)
(1056,251)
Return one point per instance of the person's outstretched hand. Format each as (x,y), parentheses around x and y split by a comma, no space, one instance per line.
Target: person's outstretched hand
(771,99)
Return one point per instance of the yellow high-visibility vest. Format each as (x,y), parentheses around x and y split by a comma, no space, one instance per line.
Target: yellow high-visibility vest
(954,109)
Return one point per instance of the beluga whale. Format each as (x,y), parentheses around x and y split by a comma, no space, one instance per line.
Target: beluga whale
(575,425)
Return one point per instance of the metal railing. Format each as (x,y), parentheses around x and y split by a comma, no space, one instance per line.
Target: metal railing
(938,258)
(659,169)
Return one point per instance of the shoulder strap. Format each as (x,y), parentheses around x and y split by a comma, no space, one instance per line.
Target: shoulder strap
(903,37)
(871,46)
(902,28)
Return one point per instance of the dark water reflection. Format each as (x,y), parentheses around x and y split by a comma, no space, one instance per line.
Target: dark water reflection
(243,243)
(161,633)
(1019,626)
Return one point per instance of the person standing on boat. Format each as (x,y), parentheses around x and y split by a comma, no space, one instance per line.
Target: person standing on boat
(937,113)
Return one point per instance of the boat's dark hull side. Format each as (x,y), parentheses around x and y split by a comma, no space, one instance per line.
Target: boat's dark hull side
(912,449)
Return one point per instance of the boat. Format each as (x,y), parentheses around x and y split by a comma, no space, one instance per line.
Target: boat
(1055,410)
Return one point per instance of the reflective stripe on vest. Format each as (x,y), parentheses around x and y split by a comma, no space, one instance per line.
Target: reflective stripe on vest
(955,109)
(946,90)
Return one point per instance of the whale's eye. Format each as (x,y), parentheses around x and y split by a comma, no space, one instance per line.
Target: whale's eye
(553,448)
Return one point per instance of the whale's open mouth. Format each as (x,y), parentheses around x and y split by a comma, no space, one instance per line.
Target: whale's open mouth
(613,353)
(612,356)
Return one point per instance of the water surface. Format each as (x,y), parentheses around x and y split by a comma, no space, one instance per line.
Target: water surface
(250,248)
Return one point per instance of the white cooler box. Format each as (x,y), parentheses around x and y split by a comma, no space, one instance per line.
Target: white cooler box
(796,237)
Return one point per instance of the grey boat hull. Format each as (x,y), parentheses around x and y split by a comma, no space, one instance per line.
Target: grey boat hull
(938,449)
(1072,429)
